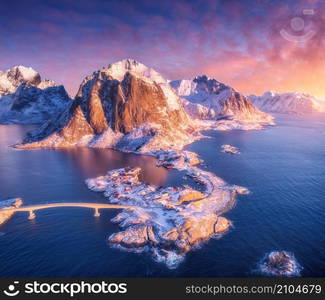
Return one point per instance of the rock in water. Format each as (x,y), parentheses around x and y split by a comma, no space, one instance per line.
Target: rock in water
(229,149)
(27,99)
(126,106)
(206,98)
(280,263)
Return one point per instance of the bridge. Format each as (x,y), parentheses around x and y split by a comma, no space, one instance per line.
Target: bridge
(95,206)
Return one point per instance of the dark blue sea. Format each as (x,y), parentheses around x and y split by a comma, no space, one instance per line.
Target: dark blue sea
(282,166)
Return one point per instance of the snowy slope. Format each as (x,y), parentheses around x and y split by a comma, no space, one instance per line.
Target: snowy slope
(206,98)
(288,103)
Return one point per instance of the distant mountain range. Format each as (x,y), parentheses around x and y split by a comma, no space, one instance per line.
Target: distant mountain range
(131,107)
(288,103)
(27,99)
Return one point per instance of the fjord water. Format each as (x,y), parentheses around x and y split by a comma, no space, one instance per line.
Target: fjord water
(283,167)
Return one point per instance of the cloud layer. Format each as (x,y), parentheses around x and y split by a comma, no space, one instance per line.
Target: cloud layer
(237,42)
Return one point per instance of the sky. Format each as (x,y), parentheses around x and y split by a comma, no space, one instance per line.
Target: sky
(253,46)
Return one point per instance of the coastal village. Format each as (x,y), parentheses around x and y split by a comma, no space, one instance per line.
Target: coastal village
(167,222)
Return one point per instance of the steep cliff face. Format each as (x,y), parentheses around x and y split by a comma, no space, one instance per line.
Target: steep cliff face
(126,106)
(26,99)
(206,98)
(288,103)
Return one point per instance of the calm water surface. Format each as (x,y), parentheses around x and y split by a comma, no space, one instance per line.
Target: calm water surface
(283,166)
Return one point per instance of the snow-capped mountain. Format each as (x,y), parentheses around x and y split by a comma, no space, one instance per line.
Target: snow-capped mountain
(207,98)
(27,99)
(12,78)
(127,106)
(288,103)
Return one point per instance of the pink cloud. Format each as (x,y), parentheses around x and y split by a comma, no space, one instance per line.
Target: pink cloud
(246,51)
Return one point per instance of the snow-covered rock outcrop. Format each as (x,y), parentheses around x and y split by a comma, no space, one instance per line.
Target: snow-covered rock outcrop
(206,98)
(27,99)
(126,106)
(279,264)
(288,103)
(229,149)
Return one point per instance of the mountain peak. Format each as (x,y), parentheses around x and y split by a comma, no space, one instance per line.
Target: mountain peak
(24,74)
(121,70)
(127,63)
(198,88)
(202,77)
(29,71)
(269,94)
(12,78)
(118,69)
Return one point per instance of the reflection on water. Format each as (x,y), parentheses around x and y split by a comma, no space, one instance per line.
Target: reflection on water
(91,162)
(85,161)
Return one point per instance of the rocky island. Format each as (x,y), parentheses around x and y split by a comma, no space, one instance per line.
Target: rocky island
(280,263)
(168,222)
(229,149)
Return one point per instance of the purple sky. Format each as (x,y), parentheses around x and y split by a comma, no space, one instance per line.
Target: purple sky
(237,42)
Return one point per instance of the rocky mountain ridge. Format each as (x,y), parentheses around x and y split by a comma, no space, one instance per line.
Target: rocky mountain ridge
(126,106)
(208,99)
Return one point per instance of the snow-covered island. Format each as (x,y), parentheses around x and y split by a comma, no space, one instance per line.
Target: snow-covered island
(229,149)
(167,222)
(279,263)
